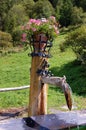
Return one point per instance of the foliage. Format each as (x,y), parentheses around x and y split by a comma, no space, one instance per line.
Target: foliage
(37,26)
(16,16)
(16,35)
(4,7)
(80,3)
(77,39)
(5,40)
(83,4)
(78,16)
(28,5)
(38,9)
(65,10)
(54,3)
(70,12)
(42,8)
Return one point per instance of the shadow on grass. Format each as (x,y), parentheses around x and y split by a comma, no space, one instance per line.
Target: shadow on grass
(75,74)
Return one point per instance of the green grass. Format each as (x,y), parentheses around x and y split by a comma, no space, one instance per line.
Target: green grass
(80,128)
(15,71)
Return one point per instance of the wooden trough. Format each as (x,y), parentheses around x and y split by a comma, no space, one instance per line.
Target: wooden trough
(60,121)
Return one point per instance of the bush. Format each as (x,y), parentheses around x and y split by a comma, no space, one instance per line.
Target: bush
(5,40)
(77,40)
(16,35)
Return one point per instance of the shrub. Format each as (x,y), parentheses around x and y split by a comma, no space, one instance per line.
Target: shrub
(77,40)
(16,35)
(5,40)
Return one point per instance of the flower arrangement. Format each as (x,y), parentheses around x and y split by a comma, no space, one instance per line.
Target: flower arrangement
(35,26)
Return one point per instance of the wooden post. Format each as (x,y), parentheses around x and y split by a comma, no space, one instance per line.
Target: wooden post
(38,84)
(38,90)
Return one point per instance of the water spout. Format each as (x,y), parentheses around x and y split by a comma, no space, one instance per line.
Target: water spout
(67,92)
(68,95)
(60,82)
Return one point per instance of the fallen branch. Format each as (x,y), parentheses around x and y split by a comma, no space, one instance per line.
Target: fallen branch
(14,89)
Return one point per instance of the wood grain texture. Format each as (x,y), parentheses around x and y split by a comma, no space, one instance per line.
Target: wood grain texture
(38,91)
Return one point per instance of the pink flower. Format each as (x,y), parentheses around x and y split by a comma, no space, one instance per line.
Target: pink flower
(53,18)
(38,22)
(33,29)
(27,27)
(32,21)
(47,26)
(24,35)
(57,31)
(22,27)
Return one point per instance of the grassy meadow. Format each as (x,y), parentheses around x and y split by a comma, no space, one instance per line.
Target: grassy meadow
(15,72)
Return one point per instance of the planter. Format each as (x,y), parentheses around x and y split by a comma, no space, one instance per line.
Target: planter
(40,42)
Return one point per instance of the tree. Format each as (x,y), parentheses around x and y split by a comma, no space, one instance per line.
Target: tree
(57,10)
(78,16)
(15,17)
(80,3)
(65,9)
(83,4)
(42,9)
(28,5)
(54,3)
(77,40)
(76,3)
(5,6)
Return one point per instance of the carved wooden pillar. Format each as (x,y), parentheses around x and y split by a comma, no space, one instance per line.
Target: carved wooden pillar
(38,91)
